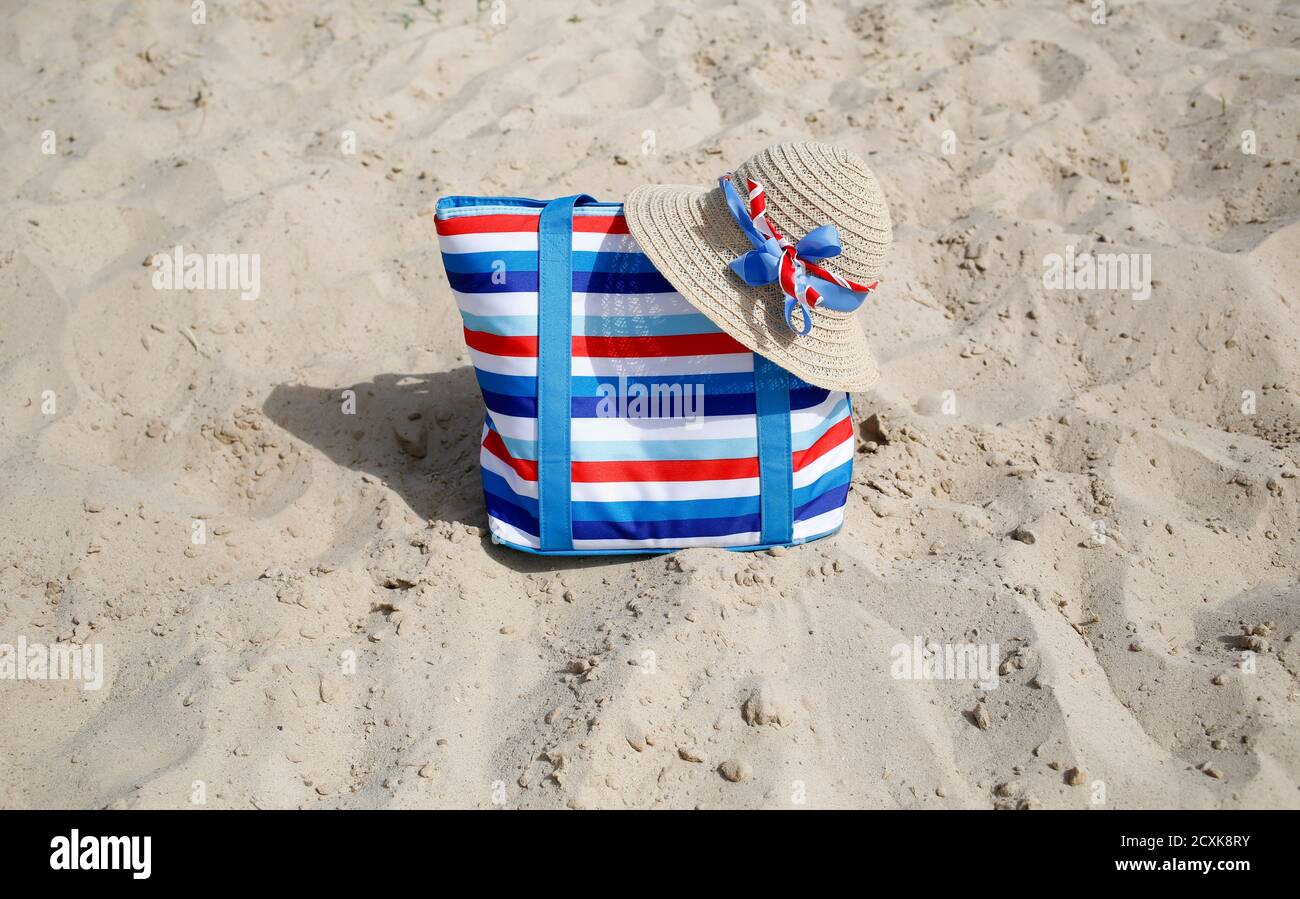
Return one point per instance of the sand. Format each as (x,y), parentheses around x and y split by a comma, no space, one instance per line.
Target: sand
(344,635)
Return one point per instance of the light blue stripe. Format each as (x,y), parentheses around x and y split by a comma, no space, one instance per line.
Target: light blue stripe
(660,450)
(772,404)
(666,510)
(642,325)
(595,325)
(505,325)
(554,329)
(524,261)
(804,439)
(836,477)
(644,450)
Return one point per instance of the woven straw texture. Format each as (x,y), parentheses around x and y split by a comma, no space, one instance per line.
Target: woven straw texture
(690,236)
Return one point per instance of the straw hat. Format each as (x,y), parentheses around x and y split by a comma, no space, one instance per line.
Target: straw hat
(691,236)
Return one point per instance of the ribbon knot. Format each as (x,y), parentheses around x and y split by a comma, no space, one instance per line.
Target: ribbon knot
(775,258)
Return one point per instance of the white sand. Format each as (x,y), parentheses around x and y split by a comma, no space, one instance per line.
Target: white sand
(223,677)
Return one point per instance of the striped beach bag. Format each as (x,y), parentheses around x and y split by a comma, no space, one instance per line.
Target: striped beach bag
(620,419)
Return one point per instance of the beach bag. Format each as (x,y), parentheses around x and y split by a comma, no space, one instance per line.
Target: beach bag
(619,418)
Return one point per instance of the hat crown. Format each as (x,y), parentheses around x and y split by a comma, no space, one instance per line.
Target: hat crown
(809,184)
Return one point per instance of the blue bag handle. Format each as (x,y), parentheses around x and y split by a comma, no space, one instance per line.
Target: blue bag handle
(555,408)
(554,367)
(775,461)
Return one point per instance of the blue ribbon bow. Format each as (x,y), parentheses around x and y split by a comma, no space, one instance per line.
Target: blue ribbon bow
(762,265)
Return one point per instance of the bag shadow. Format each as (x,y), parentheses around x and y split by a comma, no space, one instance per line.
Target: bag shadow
(418,434)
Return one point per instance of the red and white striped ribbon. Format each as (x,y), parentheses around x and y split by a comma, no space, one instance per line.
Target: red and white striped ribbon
(789,257)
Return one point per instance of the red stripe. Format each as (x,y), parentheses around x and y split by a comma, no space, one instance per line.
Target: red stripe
(667,345)
(836,435)
(826,275)
(665,470)
(600,224)
(785,271)
(527,222)
(525,468)
(637,471)
(632,471)
(610,347)
(496,345)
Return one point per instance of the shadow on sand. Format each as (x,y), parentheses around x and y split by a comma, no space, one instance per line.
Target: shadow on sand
(419,435)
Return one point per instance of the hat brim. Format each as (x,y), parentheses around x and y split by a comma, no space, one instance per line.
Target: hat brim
(690,236)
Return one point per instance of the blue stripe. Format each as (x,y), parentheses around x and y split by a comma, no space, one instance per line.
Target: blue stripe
(772,400)
(655,529)
(595,325)
(582,282)
(497,486)
(597,407)
(713,385)
(663,530)
(457,205)
(509,511)
(638,450)
(831,499)
(807,396)
(505,404)
(553,282)
(510,514)
(698,403)
(836,477)
(526,261)
(514,385)
(720,383)
(824,494)
(665,510)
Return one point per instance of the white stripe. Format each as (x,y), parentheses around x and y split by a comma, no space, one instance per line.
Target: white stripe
(626,305)
(663,491)
(526,242)
(520,486)
(583,366)
(815,416)
(632,304)
(721,363)
(670,542)
(510,534)
(513,427)
(819,524)
(710,427)
(832,459)
(812,527)
(666,491)
(504,365)
(497,303)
